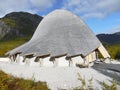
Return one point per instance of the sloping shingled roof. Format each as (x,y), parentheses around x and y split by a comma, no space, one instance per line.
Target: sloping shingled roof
(60,32)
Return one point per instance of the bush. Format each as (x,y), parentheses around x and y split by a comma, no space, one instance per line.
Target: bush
(113,50)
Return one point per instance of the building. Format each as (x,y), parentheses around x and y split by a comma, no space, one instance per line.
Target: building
(61,39)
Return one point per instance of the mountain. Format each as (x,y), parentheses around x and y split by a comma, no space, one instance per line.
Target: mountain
(109,38)
(112,43)
(18,24)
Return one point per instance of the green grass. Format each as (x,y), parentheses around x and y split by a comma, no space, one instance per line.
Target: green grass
(8,82)
(6,46)
(114,50)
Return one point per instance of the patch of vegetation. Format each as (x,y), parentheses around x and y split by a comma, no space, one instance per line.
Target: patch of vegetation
(114,50)
(9,22)
(113,86)
(88,86)
(6,46)
(117,56)
(84,85)
(8,82)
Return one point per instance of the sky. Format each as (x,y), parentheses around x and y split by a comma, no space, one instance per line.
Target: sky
(102,16)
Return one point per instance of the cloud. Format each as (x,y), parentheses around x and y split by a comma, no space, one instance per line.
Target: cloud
(83,8)
(7,6)
(93,15)
(92,8)
(32,6)
(114,29)
(42,4)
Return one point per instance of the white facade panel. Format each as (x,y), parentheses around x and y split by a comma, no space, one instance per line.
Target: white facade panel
(12,59)
(31,62)
(77,60)
(91,57)
(46,62)
(19,60)
(61,62)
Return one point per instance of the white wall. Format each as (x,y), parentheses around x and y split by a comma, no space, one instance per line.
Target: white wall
(76,60)
(12,60)
(45,62)
(19,60)
(3,59)
(61,61)
(31,62)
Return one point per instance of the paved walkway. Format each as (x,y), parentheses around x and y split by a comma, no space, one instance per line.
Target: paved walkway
(111,70)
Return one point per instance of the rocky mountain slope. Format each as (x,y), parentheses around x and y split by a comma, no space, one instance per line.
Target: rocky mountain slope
(110,38)
(18,24)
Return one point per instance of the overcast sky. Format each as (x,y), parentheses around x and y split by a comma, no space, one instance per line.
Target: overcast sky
(102,16)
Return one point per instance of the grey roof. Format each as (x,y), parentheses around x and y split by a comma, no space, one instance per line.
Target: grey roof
(60,32)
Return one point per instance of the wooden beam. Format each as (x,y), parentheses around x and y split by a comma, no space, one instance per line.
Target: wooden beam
(103,51)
